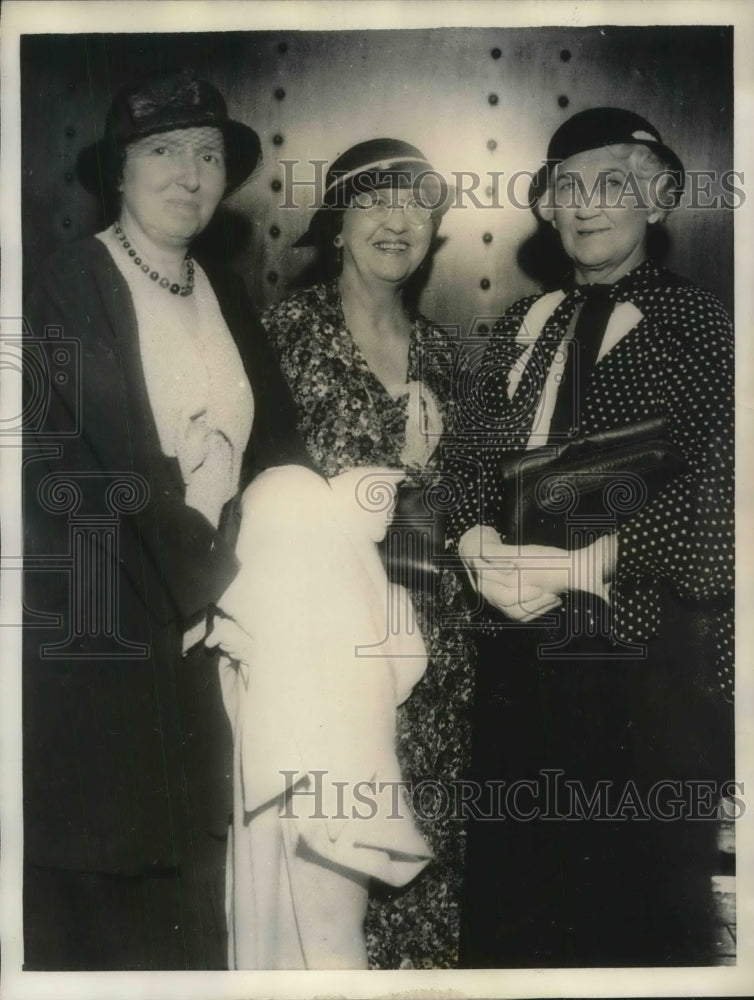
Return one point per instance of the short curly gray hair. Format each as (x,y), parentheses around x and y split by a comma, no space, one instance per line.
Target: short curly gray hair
(662,190)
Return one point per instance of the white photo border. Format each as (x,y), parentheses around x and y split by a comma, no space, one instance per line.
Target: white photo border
(19,17)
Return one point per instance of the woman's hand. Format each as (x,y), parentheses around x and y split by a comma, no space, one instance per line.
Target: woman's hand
(208,484)
(493,574)
(192,446)
(231,639)
(525,581)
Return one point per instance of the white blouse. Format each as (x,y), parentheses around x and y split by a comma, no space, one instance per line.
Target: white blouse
(200,397)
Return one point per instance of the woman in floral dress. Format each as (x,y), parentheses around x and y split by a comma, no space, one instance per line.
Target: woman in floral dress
(372,385)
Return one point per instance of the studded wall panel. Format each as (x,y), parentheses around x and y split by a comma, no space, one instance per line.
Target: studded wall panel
(481,103)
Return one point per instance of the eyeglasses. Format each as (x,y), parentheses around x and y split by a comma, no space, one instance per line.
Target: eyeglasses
(381,206)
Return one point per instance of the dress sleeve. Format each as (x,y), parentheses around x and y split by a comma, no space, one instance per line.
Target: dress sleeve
(276,322)
(685,536)
(482,430)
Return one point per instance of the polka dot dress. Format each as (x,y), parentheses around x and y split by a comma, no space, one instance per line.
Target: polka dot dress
(677,362)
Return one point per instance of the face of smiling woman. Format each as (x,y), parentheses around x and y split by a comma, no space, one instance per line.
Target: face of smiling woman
(172,183)
(384,251)
(602,227)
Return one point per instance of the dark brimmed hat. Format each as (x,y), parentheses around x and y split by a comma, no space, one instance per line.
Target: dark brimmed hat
(597,127)
(163,103)
(371,165)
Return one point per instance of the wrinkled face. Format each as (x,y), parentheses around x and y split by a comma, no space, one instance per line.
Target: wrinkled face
(384,237)
(173,182)
(601,210)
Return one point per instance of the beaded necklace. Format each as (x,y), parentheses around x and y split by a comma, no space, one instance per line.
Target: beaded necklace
(175,288)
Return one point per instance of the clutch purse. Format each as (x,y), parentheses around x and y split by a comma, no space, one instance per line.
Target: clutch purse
(415,540)
(592,483)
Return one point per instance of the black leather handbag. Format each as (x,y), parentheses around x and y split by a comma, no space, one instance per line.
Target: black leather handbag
(415,540)
(591,484)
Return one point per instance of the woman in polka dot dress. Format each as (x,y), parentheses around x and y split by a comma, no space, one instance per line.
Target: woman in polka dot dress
(608,733)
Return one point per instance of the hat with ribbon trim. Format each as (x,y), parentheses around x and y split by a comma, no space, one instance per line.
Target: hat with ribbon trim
(371,166)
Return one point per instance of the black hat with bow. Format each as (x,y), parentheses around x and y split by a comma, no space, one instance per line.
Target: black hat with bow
(162,104)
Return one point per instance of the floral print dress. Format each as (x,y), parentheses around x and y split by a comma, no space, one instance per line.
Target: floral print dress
(348,419)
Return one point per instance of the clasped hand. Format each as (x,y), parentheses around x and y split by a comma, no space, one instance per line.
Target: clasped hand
(525,581)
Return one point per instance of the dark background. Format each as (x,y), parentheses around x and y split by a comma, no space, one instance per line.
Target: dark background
(454,92)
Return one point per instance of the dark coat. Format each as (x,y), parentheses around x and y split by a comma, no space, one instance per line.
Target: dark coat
(126,747)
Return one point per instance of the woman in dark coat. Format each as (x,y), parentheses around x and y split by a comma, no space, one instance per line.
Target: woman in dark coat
(605,683)
(161,401)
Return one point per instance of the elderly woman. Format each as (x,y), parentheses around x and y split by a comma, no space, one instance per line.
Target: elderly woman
(605,682)
(371,381)
(127,751)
